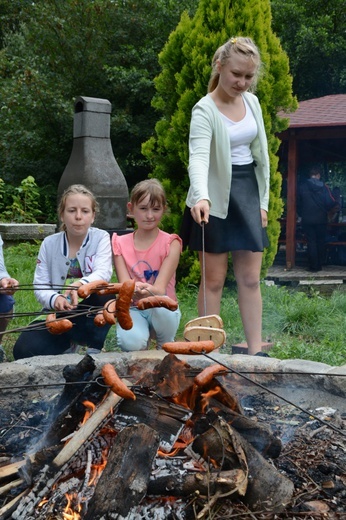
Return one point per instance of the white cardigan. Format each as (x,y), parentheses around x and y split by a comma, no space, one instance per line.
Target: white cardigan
(210,160)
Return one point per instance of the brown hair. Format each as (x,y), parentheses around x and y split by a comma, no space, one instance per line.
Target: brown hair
(239,45)
(76,189)
(151,187)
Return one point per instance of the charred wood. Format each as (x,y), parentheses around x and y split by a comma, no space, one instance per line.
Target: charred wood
(258,434)
(69,410)
(182,484)
(125,479)
(266,486)
(165,417)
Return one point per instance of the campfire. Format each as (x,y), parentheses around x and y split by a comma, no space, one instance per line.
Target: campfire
(169,441)
(184,448)
(181,444)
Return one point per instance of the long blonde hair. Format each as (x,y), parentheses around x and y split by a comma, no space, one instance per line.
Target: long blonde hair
(76,189)
(236,45)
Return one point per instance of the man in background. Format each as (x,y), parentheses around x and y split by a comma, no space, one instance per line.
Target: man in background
(313,205)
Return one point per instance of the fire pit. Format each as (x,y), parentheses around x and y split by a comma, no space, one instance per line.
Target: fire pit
(230,446)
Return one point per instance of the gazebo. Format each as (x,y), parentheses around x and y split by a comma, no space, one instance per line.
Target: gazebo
(316,133)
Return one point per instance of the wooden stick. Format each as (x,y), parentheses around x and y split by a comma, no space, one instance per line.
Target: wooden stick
(10,506)
(88,428)
(7,487)
(12,469)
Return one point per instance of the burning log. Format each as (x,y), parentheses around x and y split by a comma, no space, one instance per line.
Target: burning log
(87,429)
(259,435)
(182,484)
(69,411)
(125,479)
(266,486)
(166,418)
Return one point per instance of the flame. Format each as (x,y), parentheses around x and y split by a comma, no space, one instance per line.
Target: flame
(90,408)
(69,513)
(98,468)
(205,397)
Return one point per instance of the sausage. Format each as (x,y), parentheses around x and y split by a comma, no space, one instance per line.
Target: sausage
(57,325)
(116,384)
(112,288)
(157,301)
(123,304)
(205,377)
(99,319)
(189,347)
(109,310)
(92,287)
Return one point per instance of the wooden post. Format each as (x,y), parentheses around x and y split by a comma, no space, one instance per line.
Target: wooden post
(291,201)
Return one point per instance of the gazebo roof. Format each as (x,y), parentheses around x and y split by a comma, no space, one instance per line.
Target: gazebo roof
(324,111)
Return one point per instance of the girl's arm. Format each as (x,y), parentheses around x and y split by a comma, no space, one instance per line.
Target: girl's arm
(121,269)
(44,292)
(167,270)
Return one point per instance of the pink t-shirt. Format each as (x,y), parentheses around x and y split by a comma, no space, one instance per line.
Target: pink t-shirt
(144,265)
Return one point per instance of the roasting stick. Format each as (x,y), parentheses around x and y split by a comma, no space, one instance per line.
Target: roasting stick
(42,326)
(203,267)
(88,428)
(307,412)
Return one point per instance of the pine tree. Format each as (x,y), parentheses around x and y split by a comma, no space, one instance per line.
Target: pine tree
(186,65)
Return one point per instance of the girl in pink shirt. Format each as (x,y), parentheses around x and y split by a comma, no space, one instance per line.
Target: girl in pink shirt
(150,256)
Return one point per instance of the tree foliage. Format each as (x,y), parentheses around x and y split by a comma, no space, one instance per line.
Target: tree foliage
(185,63)
(312,32)
(56,50)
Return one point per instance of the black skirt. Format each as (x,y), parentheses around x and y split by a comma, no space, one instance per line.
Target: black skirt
(241,229)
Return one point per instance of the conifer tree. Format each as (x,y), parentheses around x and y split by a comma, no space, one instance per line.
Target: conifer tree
(186,65)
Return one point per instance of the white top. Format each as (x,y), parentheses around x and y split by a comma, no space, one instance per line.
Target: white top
(241,134)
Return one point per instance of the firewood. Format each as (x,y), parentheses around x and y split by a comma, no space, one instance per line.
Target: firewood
(88,428)
(258,434)
(267,486)
(11,485)
(11,506)
(124,481)
(13,468)
(182,484)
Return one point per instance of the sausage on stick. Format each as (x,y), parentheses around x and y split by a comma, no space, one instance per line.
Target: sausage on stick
(123,304)
(57,325)
(109,310)
(205,377)
(189,347)
(116,384)
(92,287)
(157,301)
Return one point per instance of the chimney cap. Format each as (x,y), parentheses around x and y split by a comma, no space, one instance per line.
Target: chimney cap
(90,104)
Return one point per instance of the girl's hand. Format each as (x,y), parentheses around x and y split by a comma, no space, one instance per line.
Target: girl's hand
(8,285)
(62,304)
(200,212)
(143,290)
(264,217)
(71,293)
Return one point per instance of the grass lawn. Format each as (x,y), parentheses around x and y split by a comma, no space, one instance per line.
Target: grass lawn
(301,325)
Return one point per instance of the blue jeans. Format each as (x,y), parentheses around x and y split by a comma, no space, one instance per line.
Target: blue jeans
(158,322)
(6,303)
(40,342)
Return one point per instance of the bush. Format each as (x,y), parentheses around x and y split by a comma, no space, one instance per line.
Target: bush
(27,203)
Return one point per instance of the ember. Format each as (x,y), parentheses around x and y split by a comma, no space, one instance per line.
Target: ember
(179,450)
